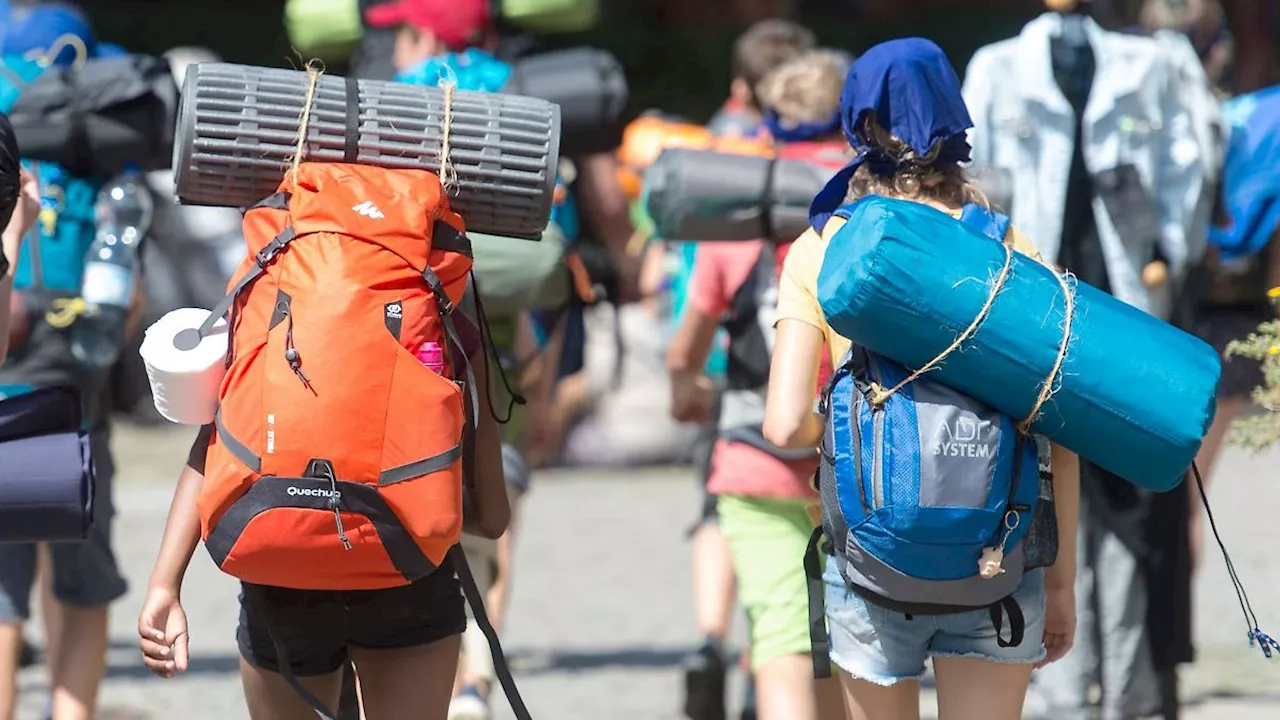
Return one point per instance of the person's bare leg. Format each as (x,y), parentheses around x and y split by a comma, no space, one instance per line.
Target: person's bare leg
(410,683)
(10,649)
(867,701)
(786,690)
(973,689)
(830,697)
(714,587)
(50,609)
(269,696)
(81,662)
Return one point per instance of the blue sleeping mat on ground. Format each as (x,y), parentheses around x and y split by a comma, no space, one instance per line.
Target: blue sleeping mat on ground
(1136,395)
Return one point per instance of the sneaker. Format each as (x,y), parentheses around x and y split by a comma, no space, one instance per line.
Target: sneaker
(468,705)
(704,683)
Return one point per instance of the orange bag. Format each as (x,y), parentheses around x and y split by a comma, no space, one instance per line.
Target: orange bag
(336,461)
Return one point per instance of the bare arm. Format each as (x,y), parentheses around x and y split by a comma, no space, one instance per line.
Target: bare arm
(1066,499)
(493,508)
(181,532)
(686,356)
(789,417)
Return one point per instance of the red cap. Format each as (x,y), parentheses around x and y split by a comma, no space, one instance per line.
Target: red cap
(455,22)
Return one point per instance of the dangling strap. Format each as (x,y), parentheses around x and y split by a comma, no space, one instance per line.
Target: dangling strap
(258,604)
(1265,642)
(500,667)
(819,638)
(1017,623)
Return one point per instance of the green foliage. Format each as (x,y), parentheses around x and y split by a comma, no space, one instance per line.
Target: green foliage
(1259,431)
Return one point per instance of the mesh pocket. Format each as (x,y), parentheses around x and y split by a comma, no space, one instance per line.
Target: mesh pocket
(1041,542)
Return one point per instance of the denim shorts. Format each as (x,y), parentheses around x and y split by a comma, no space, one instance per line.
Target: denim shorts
(884,647)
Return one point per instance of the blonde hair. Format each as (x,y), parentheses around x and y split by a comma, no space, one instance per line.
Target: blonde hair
(919,177)
(805,89)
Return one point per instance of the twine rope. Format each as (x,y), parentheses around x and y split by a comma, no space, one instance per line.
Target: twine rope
(448,174)
(314,70)
(1047,388)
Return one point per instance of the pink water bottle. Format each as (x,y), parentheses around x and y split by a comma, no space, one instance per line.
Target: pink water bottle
(431,355)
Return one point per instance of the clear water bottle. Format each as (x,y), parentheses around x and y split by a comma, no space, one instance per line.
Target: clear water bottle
(123,214)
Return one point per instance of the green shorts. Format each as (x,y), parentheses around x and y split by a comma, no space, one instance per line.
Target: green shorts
(768,538)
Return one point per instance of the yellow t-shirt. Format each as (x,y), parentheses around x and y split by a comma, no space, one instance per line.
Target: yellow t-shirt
(798,285)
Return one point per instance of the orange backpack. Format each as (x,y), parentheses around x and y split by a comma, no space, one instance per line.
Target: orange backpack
(336,464)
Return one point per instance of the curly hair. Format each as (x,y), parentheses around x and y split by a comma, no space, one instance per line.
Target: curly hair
(806,88)
(919,177)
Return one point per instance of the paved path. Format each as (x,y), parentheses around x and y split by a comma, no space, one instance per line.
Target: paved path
(601,614)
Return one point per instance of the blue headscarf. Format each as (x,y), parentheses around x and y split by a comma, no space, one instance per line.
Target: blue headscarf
(802,132)
(914,93)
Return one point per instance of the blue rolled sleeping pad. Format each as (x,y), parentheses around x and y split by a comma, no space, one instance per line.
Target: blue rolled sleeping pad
(1135,395)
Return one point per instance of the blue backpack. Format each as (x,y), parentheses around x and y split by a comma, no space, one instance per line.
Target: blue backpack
(920,488)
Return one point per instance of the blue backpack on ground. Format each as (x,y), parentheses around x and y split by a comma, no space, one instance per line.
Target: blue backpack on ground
(919,488)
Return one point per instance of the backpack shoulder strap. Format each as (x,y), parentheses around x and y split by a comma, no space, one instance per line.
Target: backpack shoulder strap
(991,223)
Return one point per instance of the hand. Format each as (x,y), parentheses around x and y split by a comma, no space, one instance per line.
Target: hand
(1155,274)
(162,633)
(1059,624)
(27,209)
(692,400)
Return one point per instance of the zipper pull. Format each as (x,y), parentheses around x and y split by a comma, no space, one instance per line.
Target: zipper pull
(337,515)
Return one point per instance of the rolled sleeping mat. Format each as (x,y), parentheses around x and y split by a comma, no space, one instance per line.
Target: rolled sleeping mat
(710,195)
(1134,394)
(96,119)
(707,195)
(238,130)
(46,468)
(590,87)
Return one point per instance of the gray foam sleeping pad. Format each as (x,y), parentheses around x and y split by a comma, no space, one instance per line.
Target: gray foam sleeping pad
(705,195)
(238,129)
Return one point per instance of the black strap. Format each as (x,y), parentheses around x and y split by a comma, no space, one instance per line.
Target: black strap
(351,140)
(766,202)
(258,604)
(447,237)
(1017,623)
(262,258)
(500,667)
(819,638)
(274,201)
(445,308)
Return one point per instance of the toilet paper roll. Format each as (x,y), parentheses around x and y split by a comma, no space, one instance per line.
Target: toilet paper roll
(185,371)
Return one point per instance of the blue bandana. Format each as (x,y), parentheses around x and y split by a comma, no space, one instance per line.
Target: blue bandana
(803,132)
(914,93)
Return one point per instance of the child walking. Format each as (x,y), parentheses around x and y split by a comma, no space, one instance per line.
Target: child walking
(765,499)
(902,113)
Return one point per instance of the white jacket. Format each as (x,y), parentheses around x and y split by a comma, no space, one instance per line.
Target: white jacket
(1140,149)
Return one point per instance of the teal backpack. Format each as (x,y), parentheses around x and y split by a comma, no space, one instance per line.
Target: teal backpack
(48,275)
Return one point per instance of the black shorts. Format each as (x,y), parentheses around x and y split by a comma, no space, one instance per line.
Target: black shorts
(317,627)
